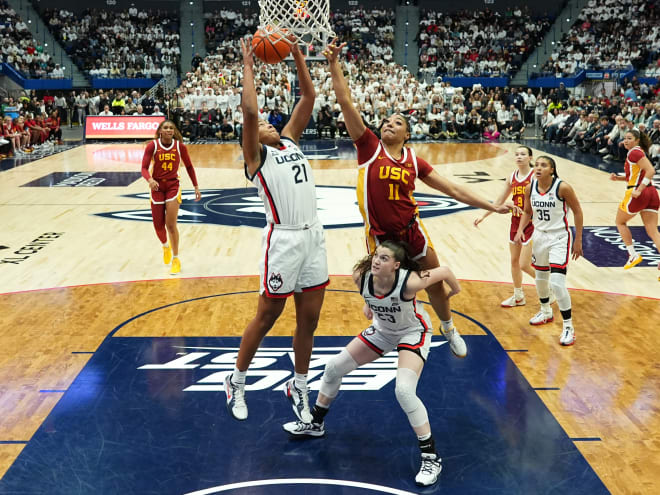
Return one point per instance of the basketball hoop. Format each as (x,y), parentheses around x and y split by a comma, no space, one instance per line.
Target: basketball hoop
(307,20)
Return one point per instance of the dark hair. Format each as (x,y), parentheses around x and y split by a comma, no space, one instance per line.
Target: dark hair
(551,162)
(644,139)
(401,251)
(529,150)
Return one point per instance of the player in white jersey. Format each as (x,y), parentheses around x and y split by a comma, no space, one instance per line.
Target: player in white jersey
(389,281)
(547,202)
(294,257)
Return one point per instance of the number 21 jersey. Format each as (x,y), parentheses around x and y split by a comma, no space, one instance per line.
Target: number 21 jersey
(285,184)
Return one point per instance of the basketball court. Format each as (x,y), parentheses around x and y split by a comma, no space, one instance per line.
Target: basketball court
(111,369)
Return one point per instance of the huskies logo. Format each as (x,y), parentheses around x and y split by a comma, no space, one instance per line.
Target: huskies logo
(275,282)
(337,207)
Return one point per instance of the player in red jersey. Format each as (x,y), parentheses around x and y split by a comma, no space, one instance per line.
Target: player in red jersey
(521,254)
(387,170)
(166,152)
(641,196)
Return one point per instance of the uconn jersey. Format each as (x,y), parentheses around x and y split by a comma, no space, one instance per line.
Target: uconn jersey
(550,211)
(293,245)
(285,184)
(551,241)
(397,322)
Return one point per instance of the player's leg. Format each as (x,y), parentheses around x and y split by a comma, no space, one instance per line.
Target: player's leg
(440,303)
(171,214)
(518,297)
(410,365)
(541,265)
(623,216)
(268,310)
(559,255)
(308,309)
(355,354)
(158,219)
(650,220)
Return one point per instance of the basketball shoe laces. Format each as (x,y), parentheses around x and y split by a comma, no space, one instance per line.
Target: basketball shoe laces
(238,394)
(429,465)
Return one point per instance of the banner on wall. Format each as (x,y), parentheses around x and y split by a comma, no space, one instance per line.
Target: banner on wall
(121,126)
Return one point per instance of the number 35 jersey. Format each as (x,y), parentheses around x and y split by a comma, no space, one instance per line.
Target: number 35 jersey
(549,211)
(392,313)
(285,184)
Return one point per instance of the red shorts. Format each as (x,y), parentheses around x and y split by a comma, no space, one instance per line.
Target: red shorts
(415,236)
(527,233)
(647,201)
(168,190)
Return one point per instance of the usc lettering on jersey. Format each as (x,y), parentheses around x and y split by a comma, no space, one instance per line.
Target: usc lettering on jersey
(386,185)
(166,160)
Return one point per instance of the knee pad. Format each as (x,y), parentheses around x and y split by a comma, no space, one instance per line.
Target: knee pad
(542,283)
(340,365)
(406,394)
(558,283)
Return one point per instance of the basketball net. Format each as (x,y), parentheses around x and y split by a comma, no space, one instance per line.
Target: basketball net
(307,20)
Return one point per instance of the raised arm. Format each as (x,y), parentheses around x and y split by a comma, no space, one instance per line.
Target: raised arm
(462,194)
(250,145)
(567,192)
(303,110)
(352,117)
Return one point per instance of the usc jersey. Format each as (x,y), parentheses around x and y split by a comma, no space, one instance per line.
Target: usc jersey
(166,161)
(518,188)
(386,185)
(634,174)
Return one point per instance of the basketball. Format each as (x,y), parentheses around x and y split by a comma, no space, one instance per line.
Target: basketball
(270,47)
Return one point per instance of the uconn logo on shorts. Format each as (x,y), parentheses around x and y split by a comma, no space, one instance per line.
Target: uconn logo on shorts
(337,207)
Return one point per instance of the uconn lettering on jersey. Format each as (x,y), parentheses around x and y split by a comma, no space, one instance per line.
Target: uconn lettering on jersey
(291,157)
(385,309)
(537,203)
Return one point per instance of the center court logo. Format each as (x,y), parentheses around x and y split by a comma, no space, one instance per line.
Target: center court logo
(337,207)
(271,368)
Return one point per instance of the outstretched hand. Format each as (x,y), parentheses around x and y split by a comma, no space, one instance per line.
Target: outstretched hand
(333,50)
(508,207)
(246,49)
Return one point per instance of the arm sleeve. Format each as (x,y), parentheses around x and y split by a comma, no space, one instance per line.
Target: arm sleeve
(146,160)
(189,166)
(366,145)
(423,168)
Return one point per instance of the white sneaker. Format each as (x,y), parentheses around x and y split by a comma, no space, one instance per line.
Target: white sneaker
(456,343)
(541,318)
(567,336)
(236,399)
(429,470)
(306,429)
(512,302)
(299,401)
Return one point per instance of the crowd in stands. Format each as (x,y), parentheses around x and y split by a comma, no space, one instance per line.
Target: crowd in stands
(610,34)
(21,50)
(477,43)
(127,44)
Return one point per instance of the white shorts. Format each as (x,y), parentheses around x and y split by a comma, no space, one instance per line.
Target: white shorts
(417,340)
(550,249)
(292,260)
